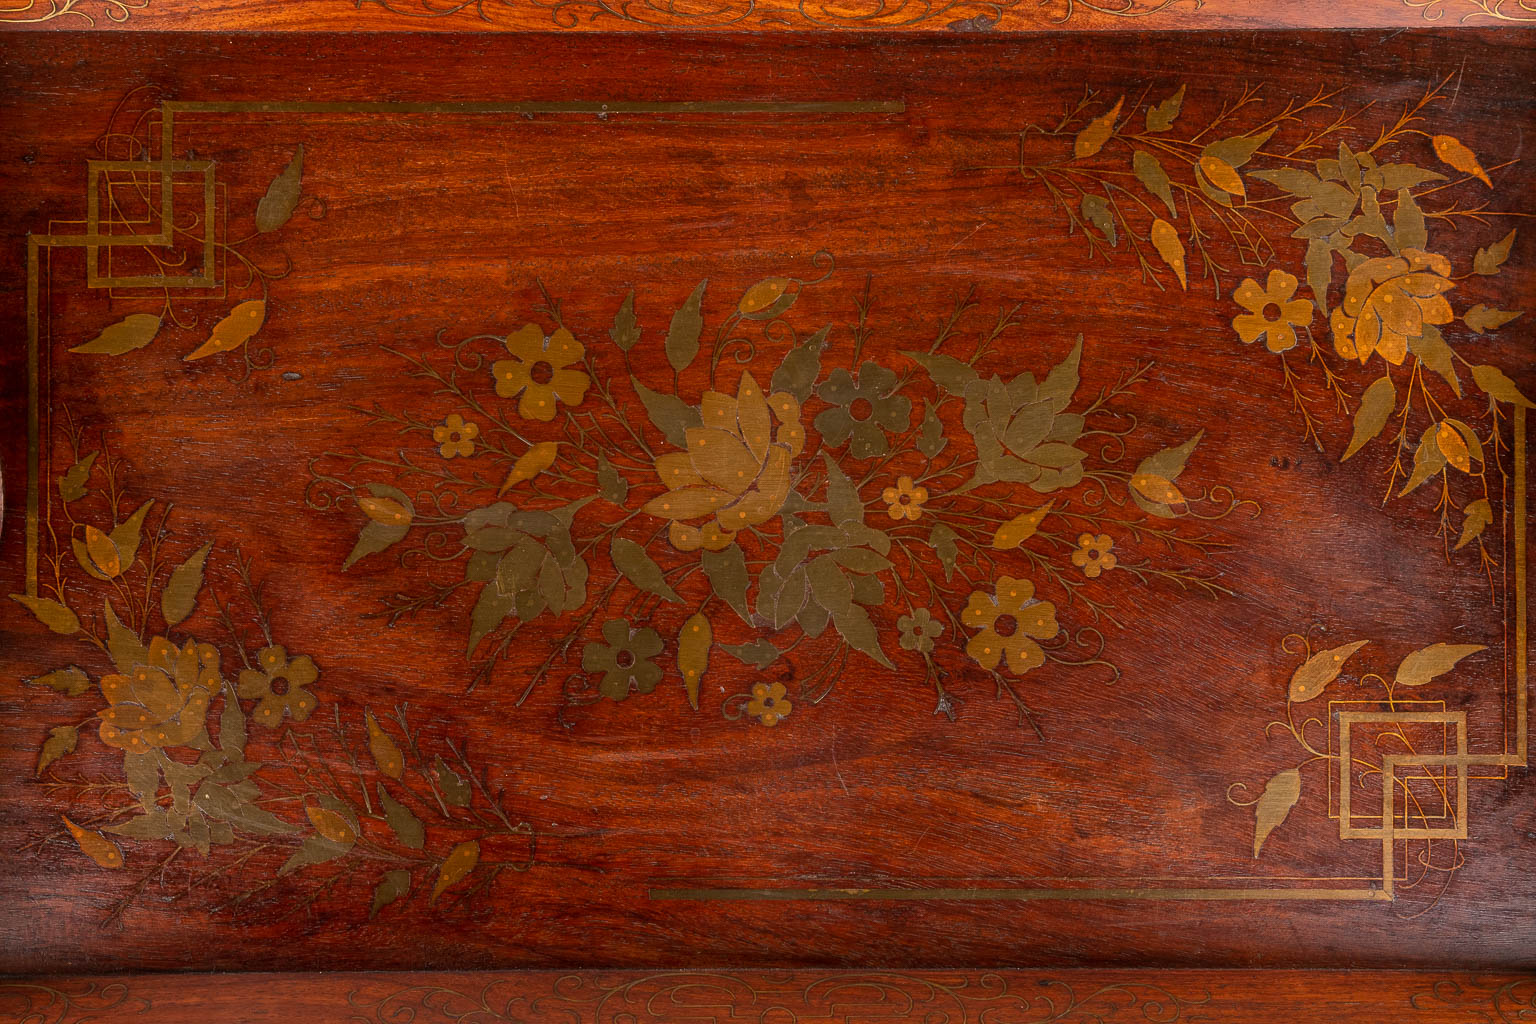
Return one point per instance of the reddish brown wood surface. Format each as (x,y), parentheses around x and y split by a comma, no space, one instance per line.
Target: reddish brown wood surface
(803,997)
(958,16)
(444,182)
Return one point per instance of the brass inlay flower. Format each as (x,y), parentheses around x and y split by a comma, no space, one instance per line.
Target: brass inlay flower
(735,473)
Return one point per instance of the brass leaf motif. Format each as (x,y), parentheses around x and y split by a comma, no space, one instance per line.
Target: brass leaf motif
(1280,795)
(395,885)
(52,614)
(1160,117)
(1475,518)
(1376,406)
(61,741)
(683,335)
(130,333)
(1487,261)
(239,327)
(180,594)
(1426,663)
(406,826)
(640,569)
(1020,528)
(1092,138)
(530,464)
(693,642)
(459,862)
(1318,671)
(1499,387)
(1455,153)
(1156,489)
(282,197)
(331,825)
(95,845)
(71,681)
(104,554)
(1451,445)
(1223,175)
(1149,171)
(1165,239)
(382,746)
(456,791)
(625,331)
(1482,318)
(1428,459)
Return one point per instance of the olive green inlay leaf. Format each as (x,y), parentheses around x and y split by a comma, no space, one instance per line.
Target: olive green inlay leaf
(758,653)
(314,850)
(613,487)
(232,727)
(373,538)
(947,372)
(855,626)
(1095,210)
(282,197)
(640,569)
(72,483)
(221,803)
(1152,485)
(239,327)
(1489,260)
(1280,795)
(1482,318)
(683,334)
(801,365)
(395,885)
(625,331)
(1408,230)
(142,773)
(843,503)
(1097,132)
(1499,387)
(1376,406)
(126,534)
(180,594)
(50,613)
(729,577)
(1149,171)
(151,825)
(945,544)
(127,335)
(406,826)
(61,741)
(1426,663)
(122,643)
(693,643)
(456,790)
(459,862)
(1428,459)
(386,754)
(71,681)
(1433,352)
(931,440)
(1314,674)
(671,415)
(1161,116)
(1475,518)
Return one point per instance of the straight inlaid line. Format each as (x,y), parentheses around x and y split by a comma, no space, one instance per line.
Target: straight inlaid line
(1021,895)
(544,107)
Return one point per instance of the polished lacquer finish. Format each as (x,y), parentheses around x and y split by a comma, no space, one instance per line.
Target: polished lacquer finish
(749,511)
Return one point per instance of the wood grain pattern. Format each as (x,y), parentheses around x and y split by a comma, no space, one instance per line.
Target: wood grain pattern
(802,997)
(959,16)
(285,308)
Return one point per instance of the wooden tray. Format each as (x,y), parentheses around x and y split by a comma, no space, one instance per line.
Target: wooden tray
(774,518)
